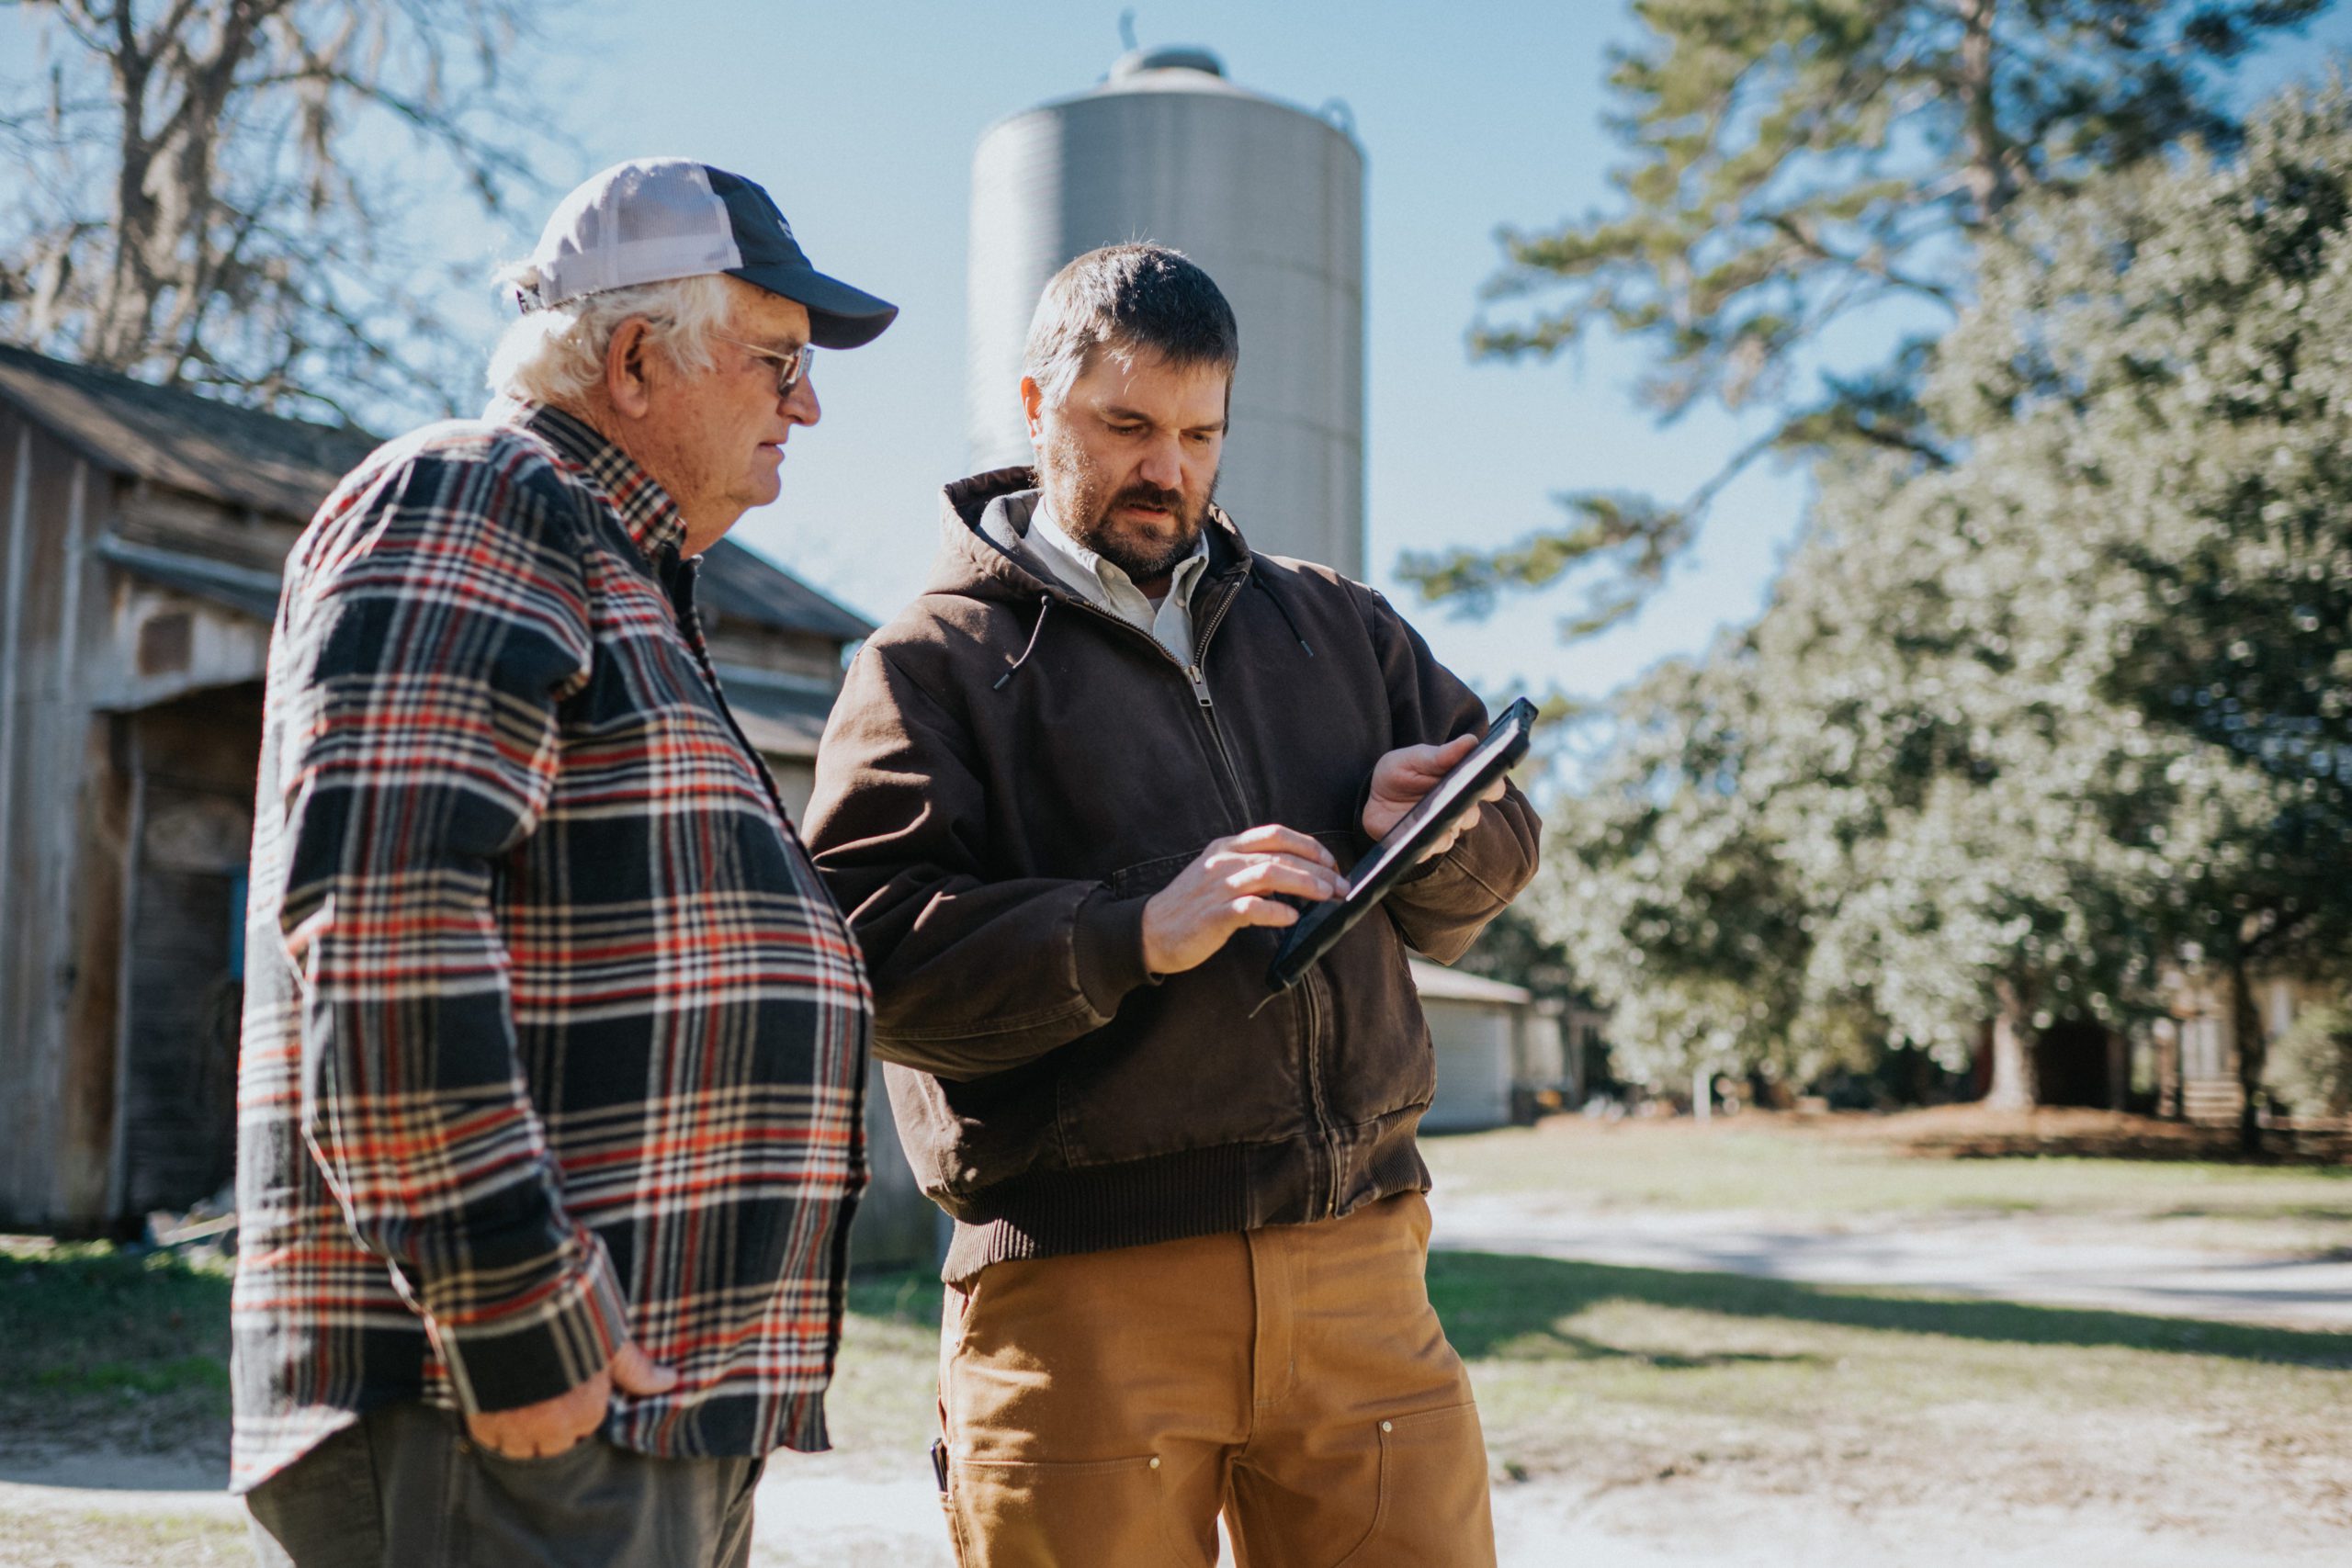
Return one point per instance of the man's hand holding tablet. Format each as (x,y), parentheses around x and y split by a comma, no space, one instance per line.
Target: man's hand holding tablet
(1424,820)
(1423,797)
(1402,778)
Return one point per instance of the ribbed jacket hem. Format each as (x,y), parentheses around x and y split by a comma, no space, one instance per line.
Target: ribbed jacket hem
(1230,1187)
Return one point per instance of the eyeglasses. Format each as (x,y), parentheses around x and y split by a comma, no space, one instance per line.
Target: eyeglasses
(791,367)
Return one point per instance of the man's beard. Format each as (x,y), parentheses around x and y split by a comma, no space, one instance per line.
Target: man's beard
(1074,490)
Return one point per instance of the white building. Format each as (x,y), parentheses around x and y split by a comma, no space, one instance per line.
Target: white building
(1499,1051)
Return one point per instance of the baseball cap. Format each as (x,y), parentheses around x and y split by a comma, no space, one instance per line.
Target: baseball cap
(650,220)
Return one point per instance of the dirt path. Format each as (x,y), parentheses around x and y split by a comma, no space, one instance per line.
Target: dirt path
(816,1520)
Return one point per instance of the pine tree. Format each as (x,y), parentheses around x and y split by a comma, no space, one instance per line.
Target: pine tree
(1792,163)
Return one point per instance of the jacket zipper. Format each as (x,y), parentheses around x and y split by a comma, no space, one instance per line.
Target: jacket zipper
(1310,1008)
(1194,674)
(1198,681)
(1309,1005)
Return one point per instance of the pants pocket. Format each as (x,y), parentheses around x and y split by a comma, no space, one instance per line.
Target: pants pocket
(326,1510)
(522,1513)
(1106,1512)
(573,1458)
(1433,1510)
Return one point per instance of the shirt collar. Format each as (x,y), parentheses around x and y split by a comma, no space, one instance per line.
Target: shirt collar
(636,497)
(1049,537)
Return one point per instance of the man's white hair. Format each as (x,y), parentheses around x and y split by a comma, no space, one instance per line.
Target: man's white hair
(557,356)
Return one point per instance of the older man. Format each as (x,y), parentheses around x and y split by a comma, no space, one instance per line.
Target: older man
(1070,797)
(549,1100)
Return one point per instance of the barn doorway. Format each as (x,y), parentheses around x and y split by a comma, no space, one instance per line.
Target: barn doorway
(193,767)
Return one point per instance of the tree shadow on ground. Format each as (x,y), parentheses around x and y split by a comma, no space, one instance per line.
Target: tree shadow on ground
(2320,1211)
(2322,1153)
(1491,1301)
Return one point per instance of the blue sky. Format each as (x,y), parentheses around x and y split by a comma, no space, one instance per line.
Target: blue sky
(862,119)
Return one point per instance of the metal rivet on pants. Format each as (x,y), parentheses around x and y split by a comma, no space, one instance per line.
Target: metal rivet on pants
(1155,1461)
(1388,1426)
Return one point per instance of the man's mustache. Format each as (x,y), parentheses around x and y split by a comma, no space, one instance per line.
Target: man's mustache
(1149,495)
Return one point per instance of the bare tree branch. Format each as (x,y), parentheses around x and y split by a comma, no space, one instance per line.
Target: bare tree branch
(205,200)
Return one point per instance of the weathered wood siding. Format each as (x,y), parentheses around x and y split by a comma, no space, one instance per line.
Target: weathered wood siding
(53,1107)
(81,645)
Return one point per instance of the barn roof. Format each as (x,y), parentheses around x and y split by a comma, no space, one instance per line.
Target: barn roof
(177,438)
(743,585)
(780,715)
(241,457)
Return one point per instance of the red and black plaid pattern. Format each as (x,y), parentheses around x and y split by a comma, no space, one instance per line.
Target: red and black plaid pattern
(551,1036)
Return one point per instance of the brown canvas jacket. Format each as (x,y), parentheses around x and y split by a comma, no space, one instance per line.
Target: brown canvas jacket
(1010,772)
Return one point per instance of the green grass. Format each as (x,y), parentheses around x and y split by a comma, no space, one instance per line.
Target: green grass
(1600,1379)
(884,1401)
(102,1346)
(1592,1378)
(1599,1375)
(1589,1377)
(1591,1374)
(1792,1170)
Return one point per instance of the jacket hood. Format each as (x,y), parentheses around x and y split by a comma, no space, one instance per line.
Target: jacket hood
(979,556)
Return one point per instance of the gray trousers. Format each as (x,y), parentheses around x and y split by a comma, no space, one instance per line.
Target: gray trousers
(402,1488)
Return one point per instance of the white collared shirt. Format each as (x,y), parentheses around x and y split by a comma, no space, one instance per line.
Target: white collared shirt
(1106,586)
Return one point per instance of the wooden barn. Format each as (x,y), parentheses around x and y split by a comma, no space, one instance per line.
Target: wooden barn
(141,546)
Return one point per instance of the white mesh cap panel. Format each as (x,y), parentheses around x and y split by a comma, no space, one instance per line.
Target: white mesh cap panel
(643,221)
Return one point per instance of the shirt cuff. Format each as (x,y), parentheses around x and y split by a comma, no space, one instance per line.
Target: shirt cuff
(542,1344)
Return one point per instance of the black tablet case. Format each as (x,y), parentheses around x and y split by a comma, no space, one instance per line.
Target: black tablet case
(1319,930)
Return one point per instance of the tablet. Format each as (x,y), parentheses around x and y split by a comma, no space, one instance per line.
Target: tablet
(1326,923)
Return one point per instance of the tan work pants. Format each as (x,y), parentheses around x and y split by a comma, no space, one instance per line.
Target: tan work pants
(1099,1410)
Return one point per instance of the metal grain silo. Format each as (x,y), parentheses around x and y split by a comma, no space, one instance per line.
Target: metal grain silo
(1268,198)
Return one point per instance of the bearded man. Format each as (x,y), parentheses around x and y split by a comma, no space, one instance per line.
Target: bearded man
(1069,800)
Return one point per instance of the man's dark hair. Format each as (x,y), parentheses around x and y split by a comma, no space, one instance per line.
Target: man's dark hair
(1129,300)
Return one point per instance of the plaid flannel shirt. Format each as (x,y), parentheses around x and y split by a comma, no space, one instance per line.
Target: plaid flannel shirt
(551,1036)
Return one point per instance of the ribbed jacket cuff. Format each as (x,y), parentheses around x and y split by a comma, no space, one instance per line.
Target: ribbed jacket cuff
(546,1344)
(1109,948)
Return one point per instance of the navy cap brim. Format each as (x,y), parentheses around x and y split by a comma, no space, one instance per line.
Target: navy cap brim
(839,315)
